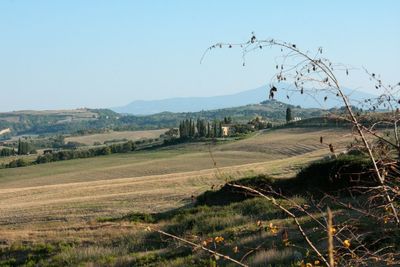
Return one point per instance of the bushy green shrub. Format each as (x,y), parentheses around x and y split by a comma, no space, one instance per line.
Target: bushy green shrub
(336,174)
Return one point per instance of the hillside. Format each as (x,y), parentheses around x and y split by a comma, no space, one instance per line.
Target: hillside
(70,121)
(31,122)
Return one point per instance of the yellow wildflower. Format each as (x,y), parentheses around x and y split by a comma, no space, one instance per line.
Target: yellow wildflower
(385,219)
(218,239)
(273,228)
(333,230)
(346,243)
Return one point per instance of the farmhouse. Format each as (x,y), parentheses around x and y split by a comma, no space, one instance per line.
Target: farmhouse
(4,131)
(296,119)
(226,129)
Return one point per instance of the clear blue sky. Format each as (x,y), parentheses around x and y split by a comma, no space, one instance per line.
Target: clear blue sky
(67,54)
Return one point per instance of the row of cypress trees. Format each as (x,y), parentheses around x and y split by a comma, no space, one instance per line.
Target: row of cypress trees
(200,128)
(25,148)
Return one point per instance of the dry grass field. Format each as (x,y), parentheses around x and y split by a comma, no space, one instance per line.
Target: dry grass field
(62,200)
(113,135)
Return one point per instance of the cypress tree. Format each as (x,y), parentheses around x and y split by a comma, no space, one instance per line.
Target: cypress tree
(19,147)
(215,129)
(288,114)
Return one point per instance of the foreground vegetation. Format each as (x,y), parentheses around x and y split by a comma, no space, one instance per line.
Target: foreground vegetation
(227,220)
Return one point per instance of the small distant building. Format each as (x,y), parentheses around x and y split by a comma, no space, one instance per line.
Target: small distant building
(296,119)
(4,131)
(225,130)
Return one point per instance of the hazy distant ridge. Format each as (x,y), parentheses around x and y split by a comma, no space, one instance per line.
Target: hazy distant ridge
(193,104)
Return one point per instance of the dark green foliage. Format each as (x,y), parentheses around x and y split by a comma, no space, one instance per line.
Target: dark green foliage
(56,141)
(336,174)
(140,217)
(72,145)
(258,123)
(86,153)
(227,120)
(79,153)
(34,255)
(228,194)
(17,163)
(6,152)
(188,129)
(242,128)
(322,176)
(289,114)
(25,148)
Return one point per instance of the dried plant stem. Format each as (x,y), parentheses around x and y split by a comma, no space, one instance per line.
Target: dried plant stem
(380,179)
(330,238)
(194,245)
(290,214)
(324,68)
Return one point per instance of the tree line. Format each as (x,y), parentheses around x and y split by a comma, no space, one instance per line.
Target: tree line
(86,153)
(6,152)
(24,148)
(53,156)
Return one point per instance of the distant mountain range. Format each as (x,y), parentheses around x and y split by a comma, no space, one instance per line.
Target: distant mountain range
(254,96)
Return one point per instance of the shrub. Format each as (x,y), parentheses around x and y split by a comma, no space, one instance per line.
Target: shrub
(336,174)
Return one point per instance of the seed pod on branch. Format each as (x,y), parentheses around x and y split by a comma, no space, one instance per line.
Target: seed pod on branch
(331,148)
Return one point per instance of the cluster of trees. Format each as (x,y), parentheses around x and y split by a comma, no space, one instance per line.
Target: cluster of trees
(239,129)
(25,148)
(86,153)
(258,123)
(200,128)
(5,152)
(17,163)
(57,141)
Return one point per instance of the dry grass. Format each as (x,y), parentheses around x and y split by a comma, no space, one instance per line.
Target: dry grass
(41,202)
(113,135)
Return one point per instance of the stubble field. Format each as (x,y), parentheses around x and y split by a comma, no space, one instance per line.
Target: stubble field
(115,135)
(63,200)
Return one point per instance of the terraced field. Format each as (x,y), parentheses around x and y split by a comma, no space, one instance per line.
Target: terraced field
(35,201)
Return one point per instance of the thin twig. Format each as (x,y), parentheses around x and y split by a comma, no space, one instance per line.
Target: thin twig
(293,216)
(213,252)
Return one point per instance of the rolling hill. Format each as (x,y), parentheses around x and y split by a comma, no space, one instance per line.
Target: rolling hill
(54,122)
